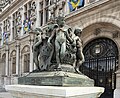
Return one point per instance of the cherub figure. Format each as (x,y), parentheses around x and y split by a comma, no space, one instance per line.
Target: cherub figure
(79,53)
(61,35)
(36,46)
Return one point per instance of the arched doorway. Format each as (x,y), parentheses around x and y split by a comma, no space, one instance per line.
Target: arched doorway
(101,62)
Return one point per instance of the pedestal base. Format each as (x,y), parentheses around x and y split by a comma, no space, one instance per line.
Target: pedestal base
(57,78)
(27,91)
(117,93)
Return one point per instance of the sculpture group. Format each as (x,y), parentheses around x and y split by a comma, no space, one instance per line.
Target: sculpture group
(57,44)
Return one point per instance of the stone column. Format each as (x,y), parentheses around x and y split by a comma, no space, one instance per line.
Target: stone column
(22,64)
(31,52)
(20,70)
(44,14)
(37,14)
(10,66)
(22,13)
(2,71)
(17,56)
(10,72)
(117,90)
(86,2)
(1,83)
(66,11)
(2,33)
(7,60)
(11,30)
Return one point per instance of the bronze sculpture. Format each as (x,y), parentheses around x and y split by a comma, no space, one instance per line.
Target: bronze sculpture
(56,45)
(57,53)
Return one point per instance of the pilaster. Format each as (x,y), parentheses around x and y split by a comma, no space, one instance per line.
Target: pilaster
(118,78)
(22,13)
(17,56)
(44,15)
(66,12)
(31,52)
(117,90)
(11,30)
(2,34)
(7,60)
(37,14)
(86,2)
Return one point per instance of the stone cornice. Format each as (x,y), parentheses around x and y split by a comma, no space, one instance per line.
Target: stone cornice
(12,7)
(7,11)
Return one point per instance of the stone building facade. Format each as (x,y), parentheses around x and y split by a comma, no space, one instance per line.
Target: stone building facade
(99,20)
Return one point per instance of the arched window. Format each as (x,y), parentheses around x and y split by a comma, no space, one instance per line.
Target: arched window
(13,61)
(26,59)
(26,62)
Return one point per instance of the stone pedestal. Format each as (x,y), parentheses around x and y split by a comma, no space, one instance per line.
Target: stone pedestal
(117,93)
(117,90)
(56,78)
(28,91)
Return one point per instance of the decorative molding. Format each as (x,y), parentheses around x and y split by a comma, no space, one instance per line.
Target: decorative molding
(0,24)
(97,31)
(20,9)
(25,49)
(116,34)
(4,3)
(13,53)
(33,9)
(19,22)
(9,17)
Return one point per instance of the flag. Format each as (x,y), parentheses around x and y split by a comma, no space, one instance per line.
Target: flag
(27,25)
(73,4)
(5,35)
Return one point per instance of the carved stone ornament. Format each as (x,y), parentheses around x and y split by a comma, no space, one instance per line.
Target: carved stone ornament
(8,25)
(4,3)
(19,18)
(57,46)
(33,14)
(116,34)
(97,31)
(33,9)
(19,22)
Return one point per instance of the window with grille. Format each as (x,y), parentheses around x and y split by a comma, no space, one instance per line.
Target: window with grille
(26,62)
(46,10)
(14,24)
(27,8)
(41,13)
(14,65)
(5,26)
(27,14)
